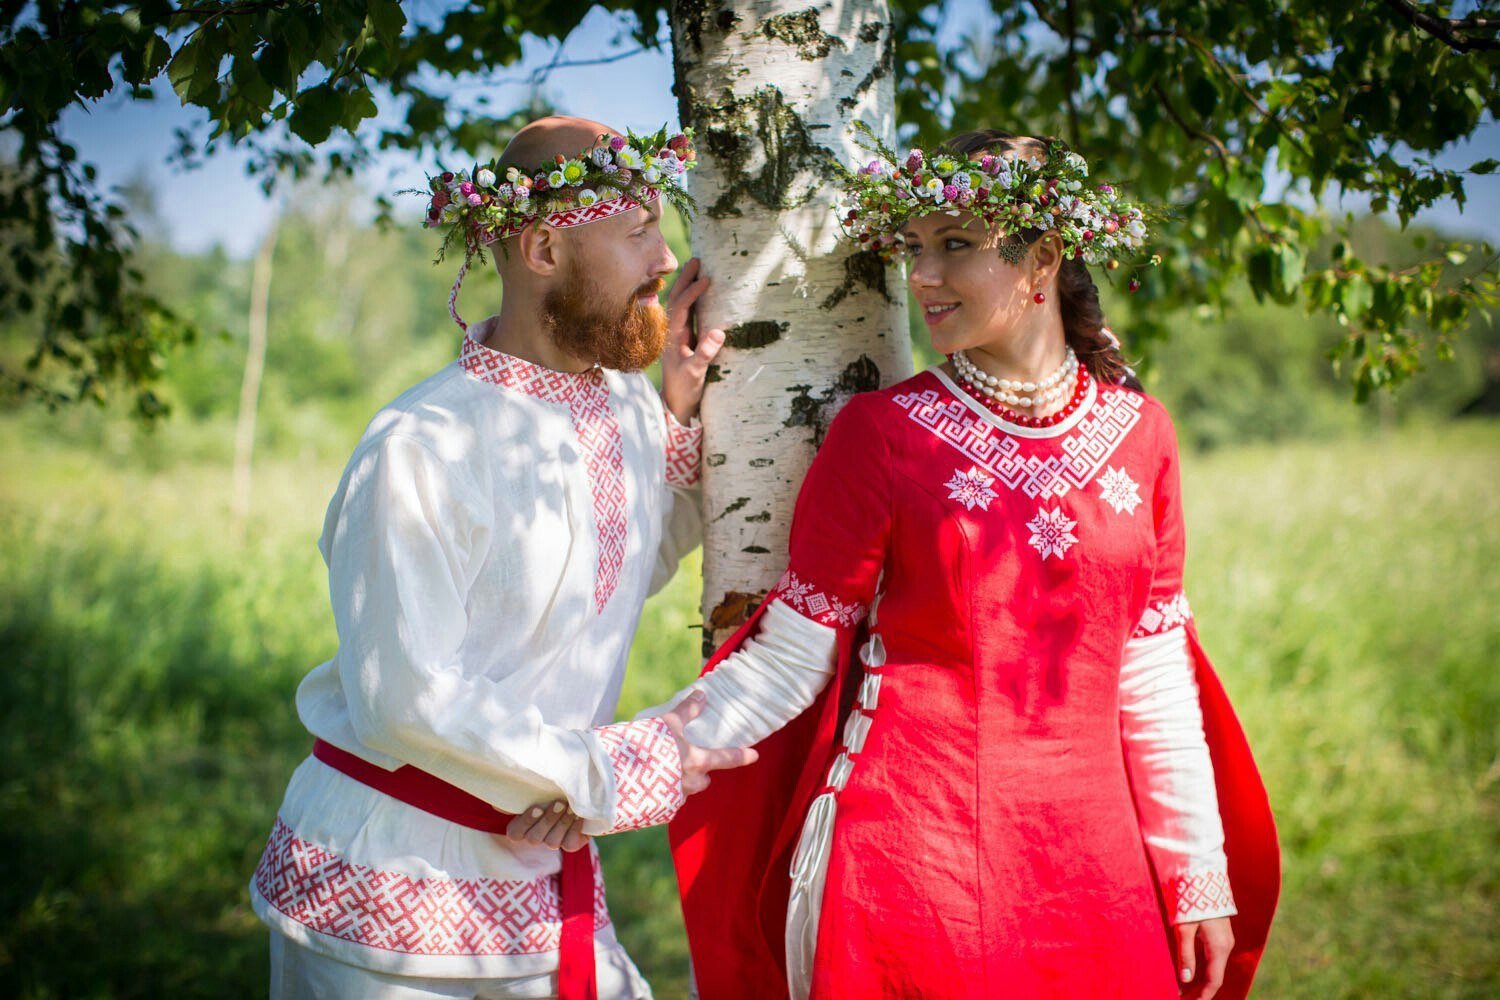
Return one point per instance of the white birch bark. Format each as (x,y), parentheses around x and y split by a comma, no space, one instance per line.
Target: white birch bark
(771,87)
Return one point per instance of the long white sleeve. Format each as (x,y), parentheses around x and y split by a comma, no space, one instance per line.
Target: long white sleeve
(1171,775)
(763,685)
(401,549)
(682,522)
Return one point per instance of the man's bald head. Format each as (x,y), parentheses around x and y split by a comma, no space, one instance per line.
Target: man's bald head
(545,138)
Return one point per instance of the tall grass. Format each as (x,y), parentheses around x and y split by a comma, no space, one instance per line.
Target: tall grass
(149,658)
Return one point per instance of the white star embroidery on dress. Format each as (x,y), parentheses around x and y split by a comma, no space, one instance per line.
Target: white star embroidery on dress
(1052,533)
(972,488)
(1117,489)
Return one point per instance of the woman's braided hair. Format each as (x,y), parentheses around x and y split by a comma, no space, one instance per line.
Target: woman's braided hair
(1078,297)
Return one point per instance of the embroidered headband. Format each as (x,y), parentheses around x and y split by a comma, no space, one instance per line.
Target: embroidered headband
(1013,195)
(492,202)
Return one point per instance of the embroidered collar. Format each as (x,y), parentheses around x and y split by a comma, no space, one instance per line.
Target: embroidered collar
(498,368)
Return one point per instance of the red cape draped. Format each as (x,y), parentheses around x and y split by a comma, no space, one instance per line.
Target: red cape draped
(733,843)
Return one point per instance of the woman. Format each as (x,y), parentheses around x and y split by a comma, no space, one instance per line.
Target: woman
(1009,771)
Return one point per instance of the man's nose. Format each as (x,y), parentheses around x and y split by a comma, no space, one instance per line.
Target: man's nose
(668,259)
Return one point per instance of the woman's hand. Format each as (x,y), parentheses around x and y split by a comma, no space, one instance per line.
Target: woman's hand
(552,825)
(1203,948)
(698,761)
(684,366)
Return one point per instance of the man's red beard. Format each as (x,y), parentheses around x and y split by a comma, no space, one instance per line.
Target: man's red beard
(625,337)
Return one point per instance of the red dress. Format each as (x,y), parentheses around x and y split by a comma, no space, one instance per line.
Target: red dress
(986,842)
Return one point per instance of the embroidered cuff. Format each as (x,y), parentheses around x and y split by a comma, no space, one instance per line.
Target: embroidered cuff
(810,602)
(1199,895)
(648,772)
(1163,616)
(684,450)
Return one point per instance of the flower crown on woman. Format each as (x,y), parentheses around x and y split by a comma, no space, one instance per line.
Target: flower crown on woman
(1012,195)
(493,201)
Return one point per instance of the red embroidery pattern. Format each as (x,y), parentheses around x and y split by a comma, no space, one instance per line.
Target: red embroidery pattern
(810,602)
(1198,896)
(1085,446)
(684,452)
(394,912)
(579,216)
(586,395)
(648,772)
(1164,616)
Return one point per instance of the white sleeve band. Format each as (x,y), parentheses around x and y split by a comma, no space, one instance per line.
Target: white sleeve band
(1171,775)
(763,685)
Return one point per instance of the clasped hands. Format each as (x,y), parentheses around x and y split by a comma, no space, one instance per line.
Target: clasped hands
(555,825)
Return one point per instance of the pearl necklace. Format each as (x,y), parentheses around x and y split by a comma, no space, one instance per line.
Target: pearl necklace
(1080,392)
(1038,394)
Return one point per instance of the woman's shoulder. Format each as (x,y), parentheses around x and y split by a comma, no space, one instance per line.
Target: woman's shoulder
(1154,420)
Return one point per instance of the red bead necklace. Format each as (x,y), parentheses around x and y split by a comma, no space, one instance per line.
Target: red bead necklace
(1080,390)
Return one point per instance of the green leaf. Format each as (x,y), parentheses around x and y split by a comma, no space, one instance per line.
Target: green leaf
(1288,270)
(387,18)
(1355,296)
(1484,167)
(319,109)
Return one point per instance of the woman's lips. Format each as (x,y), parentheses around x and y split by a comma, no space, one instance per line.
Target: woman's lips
(937,312)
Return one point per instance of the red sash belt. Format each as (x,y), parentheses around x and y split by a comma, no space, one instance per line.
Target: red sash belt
(429,793)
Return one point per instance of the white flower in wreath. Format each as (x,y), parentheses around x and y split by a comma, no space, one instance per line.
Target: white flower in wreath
(934,188)
(601,155)
(485,177)
(588,197)
(1052,533)
(556,179)
(629,157)
(1117,489)
(651,174)
(972,488)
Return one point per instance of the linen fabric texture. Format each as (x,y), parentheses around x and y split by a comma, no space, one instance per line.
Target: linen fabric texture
(489,547)
(1010,756)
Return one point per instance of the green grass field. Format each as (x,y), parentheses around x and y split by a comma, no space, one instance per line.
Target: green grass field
(1345,589)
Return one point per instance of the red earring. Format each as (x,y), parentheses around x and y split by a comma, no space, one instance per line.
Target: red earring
(1039,298)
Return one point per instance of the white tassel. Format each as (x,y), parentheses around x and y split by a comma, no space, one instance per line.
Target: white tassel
(809,871)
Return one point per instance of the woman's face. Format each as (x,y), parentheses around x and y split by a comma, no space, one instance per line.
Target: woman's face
(970,298)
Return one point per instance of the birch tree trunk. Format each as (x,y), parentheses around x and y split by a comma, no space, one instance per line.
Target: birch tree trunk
(771,87)
(255,365)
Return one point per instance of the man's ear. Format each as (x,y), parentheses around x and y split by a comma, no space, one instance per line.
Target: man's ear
(539,249)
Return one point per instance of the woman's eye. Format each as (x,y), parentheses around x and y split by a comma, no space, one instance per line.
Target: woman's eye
(911,250)
(954,244)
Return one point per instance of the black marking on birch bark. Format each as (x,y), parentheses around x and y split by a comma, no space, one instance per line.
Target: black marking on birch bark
(733,611)
(884,63)
(739,504)
(755,333)
(818,411)
(713,375)
(863,267)
(870,32)
(756,550)
(730,129)
(761,463)
(802,31)
(763,517)
(715,460)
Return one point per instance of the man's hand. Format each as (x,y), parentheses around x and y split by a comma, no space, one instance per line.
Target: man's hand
(684,366)
(698,761)
(1201,977)
(552,825)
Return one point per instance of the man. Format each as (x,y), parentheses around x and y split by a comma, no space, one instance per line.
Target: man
(489,549)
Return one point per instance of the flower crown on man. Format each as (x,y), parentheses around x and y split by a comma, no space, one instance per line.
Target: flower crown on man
(489,203)
(1035,186)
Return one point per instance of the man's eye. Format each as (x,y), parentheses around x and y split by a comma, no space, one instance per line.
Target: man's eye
(953,243)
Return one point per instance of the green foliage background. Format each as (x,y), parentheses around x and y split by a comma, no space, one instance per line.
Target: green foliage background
(1341,566)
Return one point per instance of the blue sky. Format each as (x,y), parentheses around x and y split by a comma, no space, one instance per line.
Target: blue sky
(219,203)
